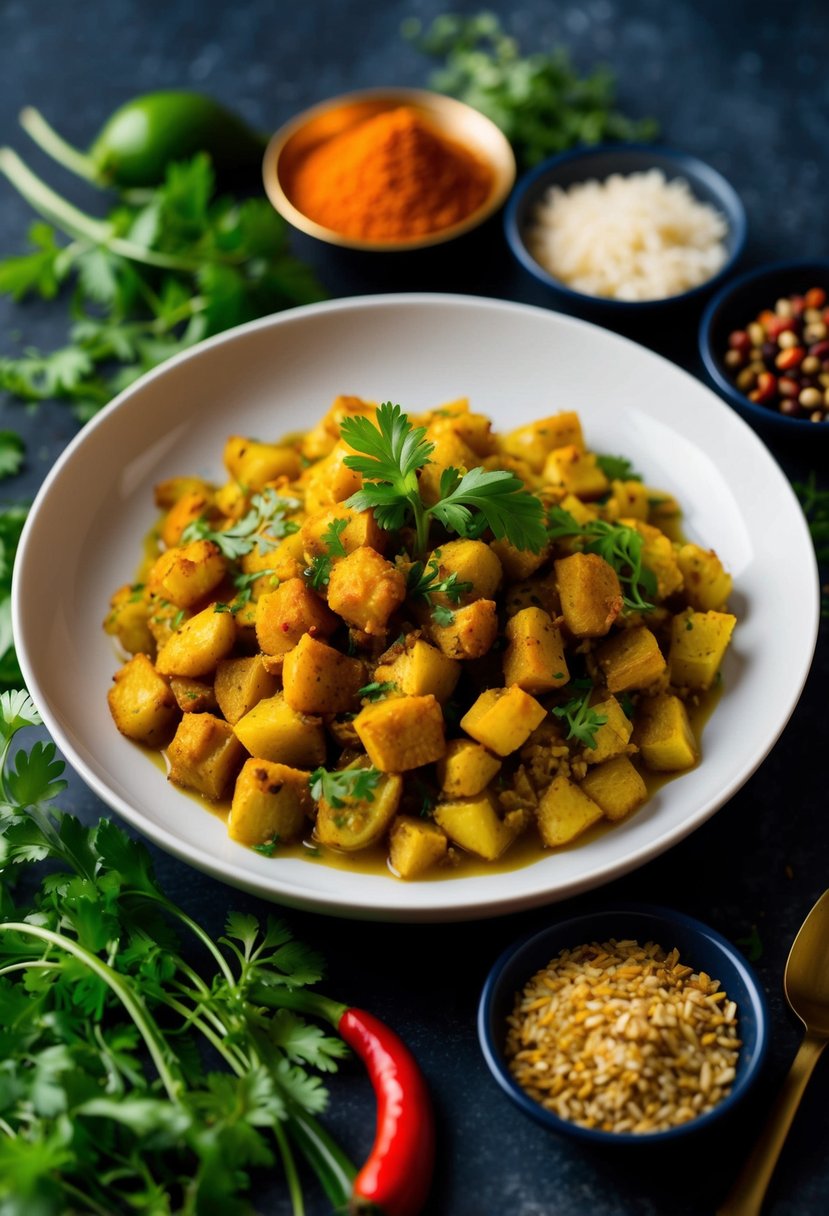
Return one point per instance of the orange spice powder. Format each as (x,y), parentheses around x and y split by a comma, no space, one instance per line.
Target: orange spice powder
(391,178)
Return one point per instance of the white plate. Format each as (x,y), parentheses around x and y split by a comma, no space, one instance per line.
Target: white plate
(516,363)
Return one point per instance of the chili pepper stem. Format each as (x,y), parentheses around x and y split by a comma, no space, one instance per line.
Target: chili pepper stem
(54,145)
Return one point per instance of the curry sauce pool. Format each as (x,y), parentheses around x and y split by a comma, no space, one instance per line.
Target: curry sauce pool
(420,641)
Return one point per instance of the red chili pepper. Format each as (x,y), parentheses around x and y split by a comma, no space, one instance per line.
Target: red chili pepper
(397,1175)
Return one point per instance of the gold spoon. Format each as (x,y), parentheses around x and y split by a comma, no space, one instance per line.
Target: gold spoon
(806,985)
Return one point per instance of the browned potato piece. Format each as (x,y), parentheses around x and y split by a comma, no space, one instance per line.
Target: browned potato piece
(193,696)
(664,735)
(361,529)
(185,510)
(142,704)
(591,596)
(534,658)
(365,590)
(421,669)
(273,730)
(616,786)
(359,823)
(613,736)
(632,659)
(331,480)
(707,585)
(518,563)
(503,718)
(205,755)
(564,812)
(474,429)
(415,846)
(466,769)
(127,620)
(475,825)
(271,803)
(471,633)
(198,645)
(240,684)
(186,575)
(167,493)
(450,451)
(536,440)
(284,615)
(317,679)
(254,464)
(473,562)
(402,733)
(572,469)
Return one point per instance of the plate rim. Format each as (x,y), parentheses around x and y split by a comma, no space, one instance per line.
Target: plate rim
(328,902)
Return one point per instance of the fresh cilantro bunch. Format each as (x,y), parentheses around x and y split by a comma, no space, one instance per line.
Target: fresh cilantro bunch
(391,453)
(134,1078)
(621,547)
(165,268)
(539,101)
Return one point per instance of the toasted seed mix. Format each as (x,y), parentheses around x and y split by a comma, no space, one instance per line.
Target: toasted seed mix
(623,1038)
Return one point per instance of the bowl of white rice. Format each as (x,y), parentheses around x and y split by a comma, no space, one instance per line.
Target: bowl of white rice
(623,227)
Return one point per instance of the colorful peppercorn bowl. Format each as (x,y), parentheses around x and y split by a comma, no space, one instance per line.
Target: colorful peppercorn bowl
(451,119)
(699,947)
(583,164)
(737,305)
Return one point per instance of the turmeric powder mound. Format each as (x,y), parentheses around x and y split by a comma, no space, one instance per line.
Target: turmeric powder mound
(392,177)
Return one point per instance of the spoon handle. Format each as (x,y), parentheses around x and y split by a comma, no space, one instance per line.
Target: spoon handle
(747,1194)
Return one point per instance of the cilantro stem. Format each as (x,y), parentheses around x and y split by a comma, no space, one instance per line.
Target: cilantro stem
(324,1155)
(40,964)
(131,1000)
(76,223)
(193,926)
(291,1175)
(86,1200)
(304,1002)
(54,145)
(7,1131)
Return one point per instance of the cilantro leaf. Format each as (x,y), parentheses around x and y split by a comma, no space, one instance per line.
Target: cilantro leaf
(377,690)
(582,721)
(17,709)
(38,272)
(617,468)
(12,451)
(425,582)
(35,777)
(502,504)
(265,524)
(442,616)
(344,785)
(620,545)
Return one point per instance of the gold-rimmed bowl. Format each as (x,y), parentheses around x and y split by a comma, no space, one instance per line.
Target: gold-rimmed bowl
(453,119)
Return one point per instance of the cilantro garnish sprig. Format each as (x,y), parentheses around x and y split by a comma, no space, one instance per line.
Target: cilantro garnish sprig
(425,582)
(582,722)
(108,1104)
(620,545)
(344,785)
(390,455)
(265,524)
(319,572)
(377,690)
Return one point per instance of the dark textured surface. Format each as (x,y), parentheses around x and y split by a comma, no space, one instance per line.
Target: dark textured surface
(740,84)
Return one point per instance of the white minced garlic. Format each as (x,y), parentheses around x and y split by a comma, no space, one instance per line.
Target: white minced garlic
(635,237)
(623,1038)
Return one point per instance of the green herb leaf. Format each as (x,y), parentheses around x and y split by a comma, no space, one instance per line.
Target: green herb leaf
(582,721)
(621,547)
(12,451)
(502,504)
(442,616)
(617,468)
(377,690)
(265,524)
(344,785)
(423,583)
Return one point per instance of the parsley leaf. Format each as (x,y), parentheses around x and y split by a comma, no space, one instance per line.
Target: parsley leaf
(319,572)
(424,582)
(264,525)
(617,468)
(344,785)
(582,721)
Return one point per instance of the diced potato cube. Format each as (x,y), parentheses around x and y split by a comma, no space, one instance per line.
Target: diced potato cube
(471,633)
(415,846)
(660,557)
(616,786)
(361,529)
(536,440)
(231,500)
(163,619)
(127,620)
(244,622)
(330,480)
(359,823)
(254,464)
(534,658)
(629,500)
(195,649)
(473,562)
(205,755)
(286,561)
(466,769)
(707,584)
(317,679)
(421,669)
(402,732)
(186,575)
(591,596)
(365,590)
(283,616)
(518,563)
(503,718)
(631,659)
(577,471)
(475,825)
(613,736)
(272,730)
(193,696)
(240,684)
(534,593)
(698,643)
(186,509)
(142,703)
(474,429)
(564,812)
(664,735)
(271,803)
(168,493)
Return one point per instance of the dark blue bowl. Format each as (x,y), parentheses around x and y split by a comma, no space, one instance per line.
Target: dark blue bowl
(566,170)
(699,947)
(733,307)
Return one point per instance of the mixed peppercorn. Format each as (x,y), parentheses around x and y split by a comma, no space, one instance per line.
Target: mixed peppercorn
(781,359)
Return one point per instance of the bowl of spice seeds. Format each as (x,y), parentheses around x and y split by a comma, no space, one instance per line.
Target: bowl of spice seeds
(627,1026)
(764,341)
(623,229)
(384,170)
